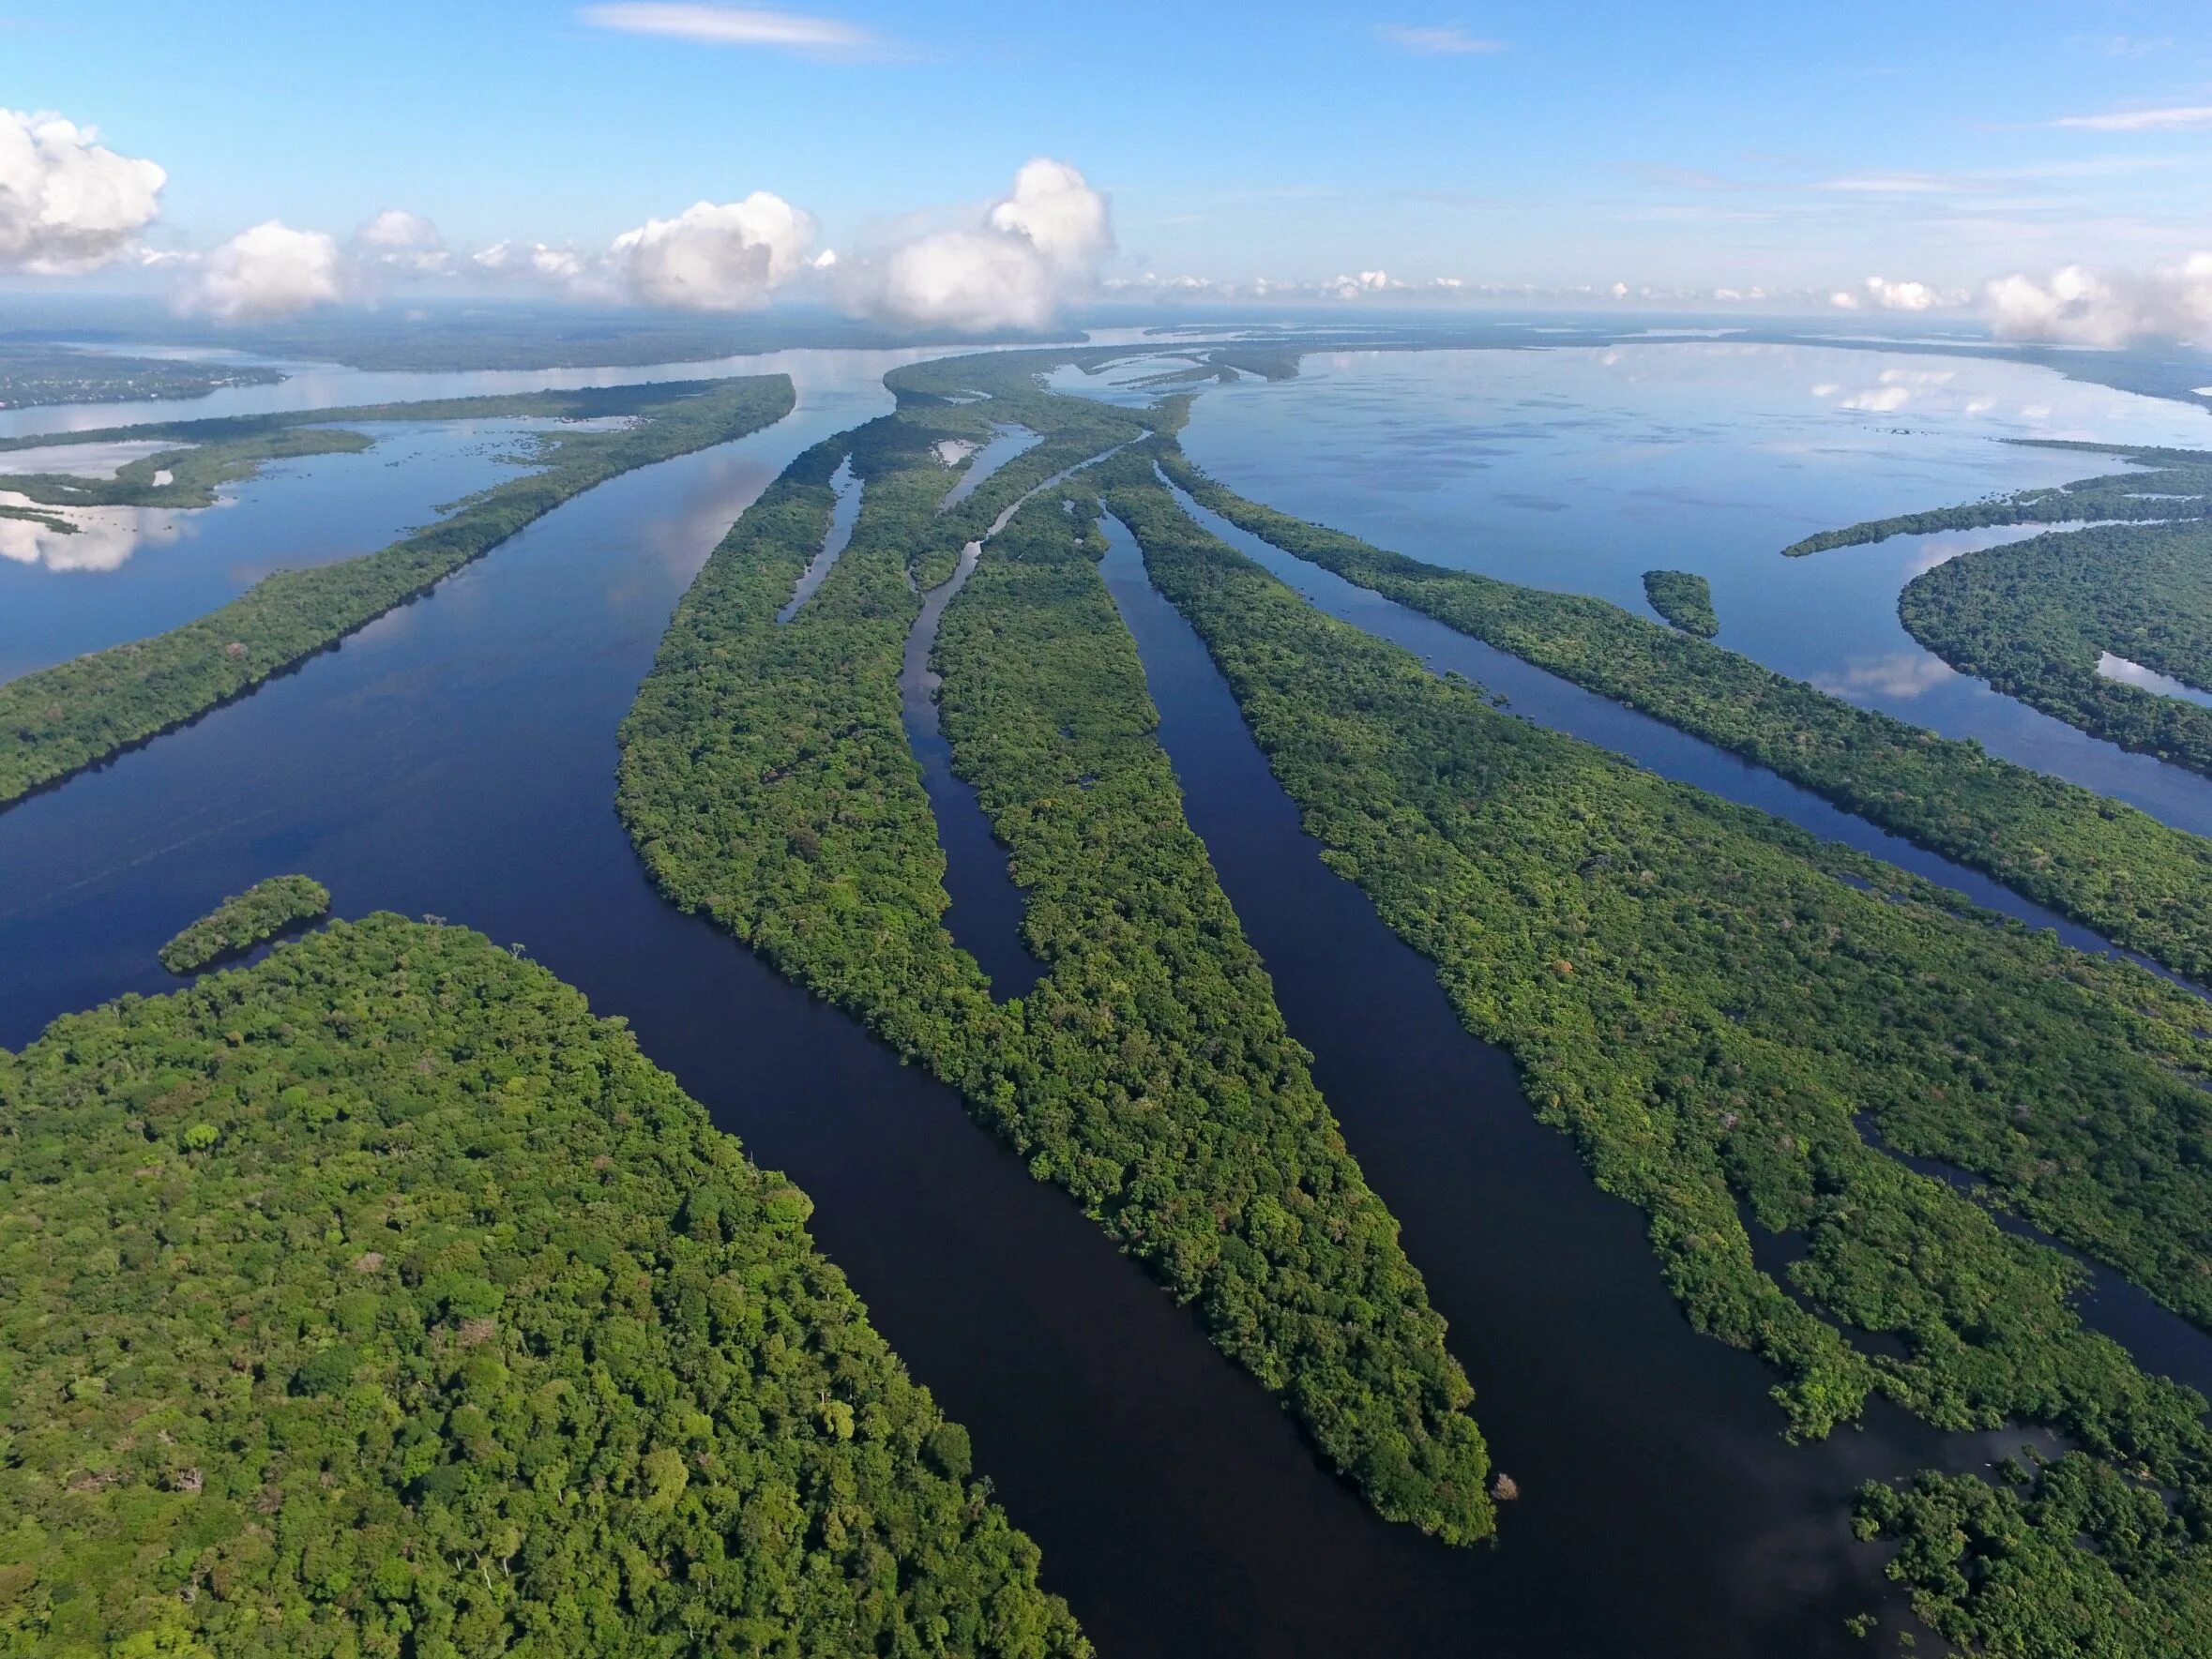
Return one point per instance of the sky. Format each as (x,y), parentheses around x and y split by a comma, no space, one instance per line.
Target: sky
(1702,151)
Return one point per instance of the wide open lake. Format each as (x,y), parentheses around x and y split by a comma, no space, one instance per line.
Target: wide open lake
(457,757)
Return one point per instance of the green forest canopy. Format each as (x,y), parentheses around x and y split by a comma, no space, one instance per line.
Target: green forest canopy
(378,1300)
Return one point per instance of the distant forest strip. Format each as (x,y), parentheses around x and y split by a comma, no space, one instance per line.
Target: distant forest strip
(2119,871)
(34,372)
(1704,998)
(378,1299)
(2167,484)
(243,920)
(64,719)
(2035,618)
(768,781)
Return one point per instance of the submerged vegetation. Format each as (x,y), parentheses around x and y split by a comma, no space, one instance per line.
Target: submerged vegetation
(1709,1001)
(768,781)
(245,919)
(377,1299)
(61,719)
(1685,599)
(2140,882)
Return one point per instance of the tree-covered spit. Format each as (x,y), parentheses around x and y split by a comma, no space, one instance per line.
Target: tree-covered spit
(245,919)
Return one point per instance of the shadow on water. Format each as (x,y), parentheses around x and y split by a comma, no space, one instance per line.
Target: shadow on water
(843,517)
(1661,1513)
(1544,699)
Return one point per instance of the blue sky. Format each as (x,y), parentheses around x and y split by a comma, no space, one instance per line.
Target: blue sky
(1787,145)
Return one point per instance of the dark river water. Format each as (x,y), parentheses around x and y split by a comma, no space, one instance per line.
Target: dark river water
(457,757)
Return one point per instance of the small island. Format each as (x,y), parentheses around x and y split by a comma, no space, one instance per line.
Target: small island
(1684,599)
(241,922)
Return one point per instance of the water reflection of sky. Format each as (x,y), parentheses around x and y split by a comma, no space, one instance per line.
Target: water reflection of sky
(122,573)
(1580,468)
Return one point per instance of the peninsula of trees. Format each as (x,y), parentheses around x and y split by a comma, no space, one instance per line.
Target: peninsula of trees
(245,919)
(2036,618)
(377,1299)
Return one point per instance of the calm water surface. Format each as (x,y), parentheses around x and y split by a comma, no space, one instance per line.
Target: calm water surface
(128,572)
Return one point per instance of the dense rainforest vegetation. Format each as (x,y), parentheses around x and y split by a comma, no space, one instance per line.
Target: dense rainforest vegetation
(60,719)
(1684,598)
(245,919)
(1710,1002)
(379,1300)
(2137,880)
(2035,619)
(768,782)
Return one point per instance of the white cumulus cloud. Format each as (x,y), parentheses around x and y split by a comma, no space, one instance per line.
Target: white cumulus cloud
(1029,255)
(271,270)
(2076,306)
(711,257)
(1897,296)
(539,259)
(66,202)
(397,240)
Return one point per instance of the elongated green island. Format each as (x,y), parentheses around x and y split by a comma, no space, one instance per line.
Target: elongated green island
(245,919)
(64,719)
(377,1299)
(1718,1008)
(768,781)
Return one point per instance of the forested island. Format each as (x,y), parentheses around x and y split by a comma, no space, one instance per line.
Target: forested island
(246,919)
(61,719)
(181,477)
(1685,599)
(378,1299)
(768,783)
